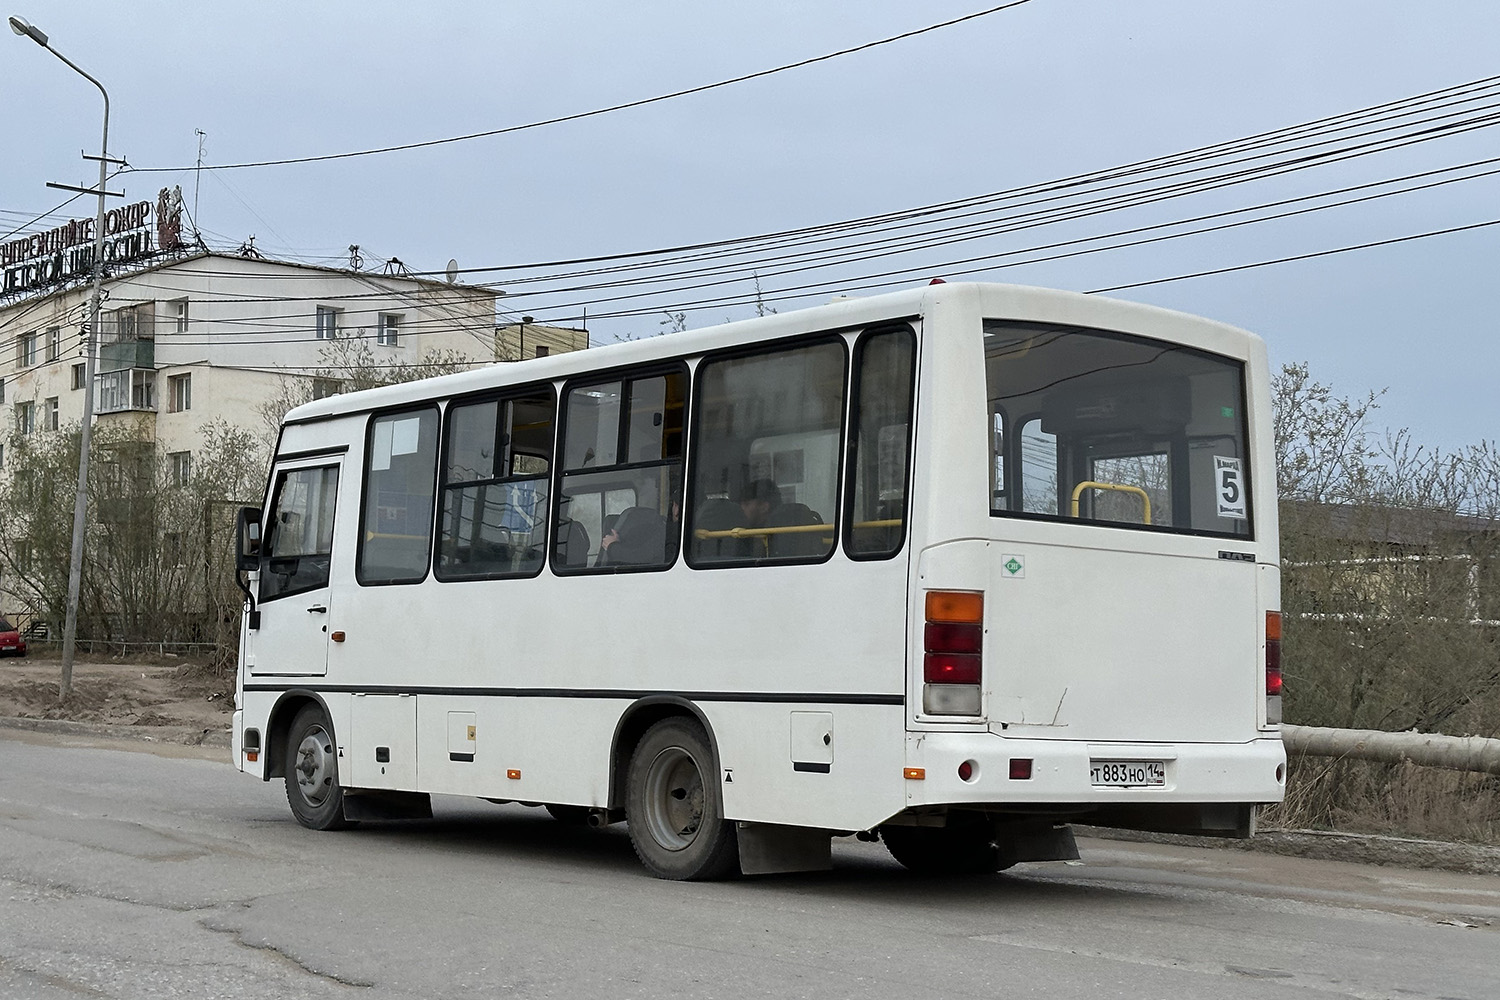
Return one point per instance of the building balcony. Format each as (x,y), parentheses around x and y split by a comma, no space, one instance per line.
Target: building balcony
(127,389)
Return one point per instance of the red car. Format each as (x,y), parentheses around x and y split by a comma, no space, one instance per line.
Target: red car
(11,643)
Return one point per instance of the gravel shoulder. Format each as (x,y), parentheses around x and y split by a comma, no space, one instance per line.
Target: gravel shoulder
(178,702)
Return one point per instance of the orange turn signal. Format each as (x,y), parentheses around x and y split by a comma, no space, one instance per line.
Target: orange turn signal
(955,606)
(513,774)
(914,773)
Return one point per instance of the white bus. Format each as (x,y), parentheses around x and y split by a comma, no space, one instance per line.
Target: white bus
(952,567)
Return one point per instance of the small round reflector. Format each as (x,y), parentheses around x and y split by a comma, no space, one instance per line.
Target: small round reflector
(966,771)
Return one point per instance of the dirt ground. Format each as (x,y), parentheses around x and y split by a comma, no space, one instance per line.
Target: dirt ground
(176,701)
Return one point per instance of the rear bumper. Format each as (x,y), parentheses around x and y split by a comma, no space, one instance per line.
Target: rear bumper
(1252,772)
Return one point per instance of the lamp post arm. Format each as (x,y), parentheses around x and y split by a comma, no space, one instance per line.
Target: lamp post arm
(104,142)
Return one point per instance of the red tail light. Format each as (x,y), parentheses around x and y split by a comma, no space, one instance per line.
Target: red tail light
(950,668)
(949,637)
(1273,653)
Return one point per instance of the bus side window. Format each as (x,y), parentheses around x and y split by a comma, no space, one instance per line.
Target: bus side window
(1039,472)
(767,440)
(883,366)
(620,501)
(495,487)
(395,535)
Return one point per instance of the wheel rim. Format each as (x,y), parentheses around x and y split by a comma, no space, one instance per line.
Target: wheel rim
(314,766)
(674,799)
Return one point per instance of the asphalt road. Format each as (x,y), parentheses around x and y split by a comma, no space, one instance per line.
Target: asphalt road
(128,874)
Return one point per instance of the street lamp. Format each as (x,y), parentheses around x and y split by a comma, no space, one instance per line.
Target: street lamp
(85,435)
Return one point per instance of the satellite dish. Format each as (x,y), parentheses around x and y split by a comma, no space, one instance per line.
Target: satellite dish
(452,271)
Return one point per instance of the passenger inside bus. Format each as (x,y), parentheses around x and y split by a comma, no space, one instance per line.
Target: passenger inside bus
(637,536)
(763,507)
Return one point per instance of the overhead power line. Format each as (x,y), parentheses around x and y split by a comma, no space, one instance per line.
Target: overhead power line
(1300,256)
(578,116)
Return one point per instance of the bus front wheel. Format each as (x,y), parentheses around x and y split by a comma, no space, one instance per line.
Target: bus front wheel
(312,775)
(676,821)
(965,847)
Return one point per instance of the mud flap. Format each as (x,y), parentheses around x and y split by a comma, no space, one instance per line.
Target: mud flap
(767,848)
(361,806)
(1031,841)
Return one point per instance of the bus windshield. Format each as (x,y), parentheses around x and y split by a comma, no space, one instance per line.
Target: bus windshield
(1113,429)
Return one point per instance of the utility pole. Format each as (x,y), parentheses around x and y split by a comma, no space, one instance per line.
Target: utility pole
(85,434)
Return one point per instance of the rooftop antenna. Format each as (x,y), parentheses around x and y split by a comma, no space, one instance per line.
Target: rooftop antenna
(452,271)
(197,178)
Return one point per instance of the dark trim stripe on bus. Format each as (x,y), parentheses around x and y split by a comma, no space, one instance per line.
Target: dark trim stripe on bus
(328,452)
(770,697)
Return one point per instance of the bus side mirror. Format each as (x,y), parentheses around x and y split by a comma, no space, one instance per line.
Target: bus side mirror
(247,540)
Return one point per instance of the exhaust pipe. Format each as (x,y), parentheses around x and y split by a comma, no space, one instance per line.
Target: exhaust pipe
(600,818)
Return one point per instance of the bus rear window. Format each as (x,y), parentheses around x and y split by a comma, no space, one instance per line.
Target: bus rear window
(1102,427)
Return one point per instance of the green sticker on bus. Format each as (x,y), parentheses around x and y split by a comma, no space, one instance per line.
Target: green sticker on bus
(1226,411)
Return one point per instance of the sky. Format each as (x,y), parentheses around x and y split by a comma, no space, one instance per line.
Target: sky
(1015,98)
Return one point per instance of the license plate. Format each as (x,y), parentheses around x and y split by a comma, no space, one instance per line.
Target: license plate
(1127,773)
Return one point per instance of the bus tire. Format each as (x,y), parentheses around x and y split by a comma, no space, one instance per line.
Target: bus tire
(312,774)
(961,848)
(672,805)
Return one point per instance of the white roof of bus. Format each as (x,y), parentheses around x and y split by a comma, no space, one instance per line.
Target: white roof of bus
(1019,302)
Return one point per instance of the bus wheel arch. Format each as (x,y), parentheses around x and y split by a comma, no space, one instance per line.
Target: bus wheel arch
(279,726)
(634,722)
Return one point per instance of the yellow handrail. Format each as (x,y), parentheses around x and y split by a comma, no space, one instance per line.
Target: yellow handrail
(789,529)
(893,522)
(1089,484)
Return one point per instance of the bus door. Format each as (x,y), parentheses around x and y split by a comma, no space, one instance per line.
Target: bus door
(296,560)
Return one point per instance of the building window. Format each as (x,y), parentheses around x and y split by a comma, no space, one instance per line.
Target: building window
(49,413)
(385,330)
(2,456)
(54,343)
(179,393)
(78,376)
(25,417)
(136,322)
(2,390)
(178,310)
(182,467)
(325,387)
(328,323)
(542,350)
(26,355)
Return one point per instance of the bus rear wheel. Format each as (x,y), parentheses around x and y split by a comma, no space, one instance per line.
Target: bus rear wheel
(963,847)
(676,820)
(312,774)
